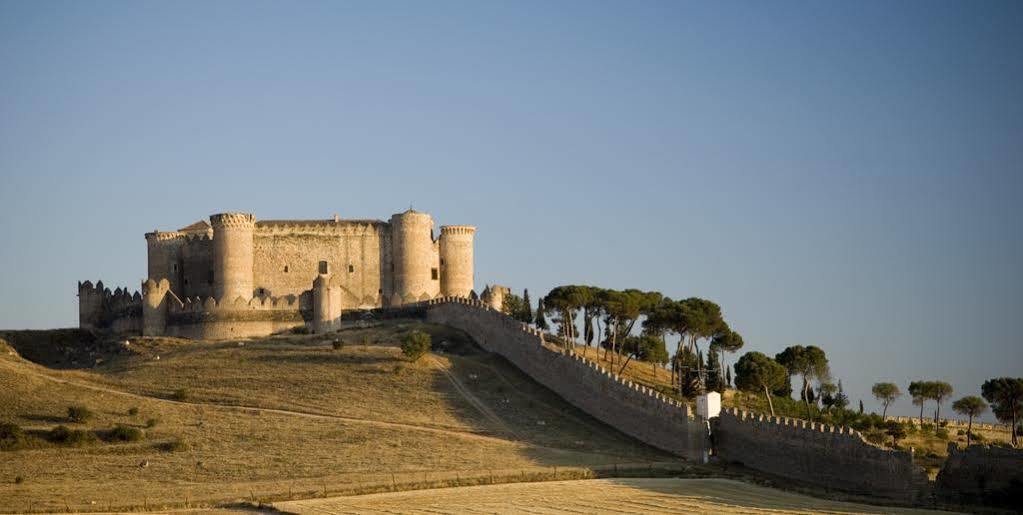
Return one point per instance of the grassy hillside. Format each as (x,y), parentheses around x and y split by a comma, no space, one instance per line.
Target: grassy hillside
(275,417)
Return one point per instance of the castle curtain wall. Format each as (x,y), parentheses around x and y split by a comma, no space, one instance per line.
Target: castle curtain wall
(357,256)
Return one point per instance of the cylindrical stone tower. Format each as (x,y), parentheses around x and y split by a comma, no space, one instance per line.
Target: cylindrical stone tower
(412,253)
(164,250)
(456,272)
(232,255)
(154,306)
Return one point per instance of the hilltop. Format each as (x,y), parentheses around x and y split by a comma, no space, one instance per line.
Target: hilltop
(278,417)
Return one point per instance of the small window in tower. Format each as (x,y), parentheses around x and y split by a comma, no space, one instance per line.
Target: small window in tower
(442,261)
(433,274)
(209,277)
(323,267)
(285,268)
(174,267)
(351,268)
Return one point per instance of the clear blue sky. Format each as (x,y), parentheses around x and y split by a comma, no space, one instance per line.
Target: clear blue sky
(845,174)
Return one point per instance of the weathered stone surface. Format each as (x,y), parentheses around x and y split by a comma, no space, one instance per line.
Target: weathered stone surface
(816,454)
(982,474)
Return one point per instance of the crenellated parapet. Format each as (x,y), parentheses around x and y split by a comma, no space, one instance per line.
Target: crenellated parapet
(794,424)
(101,308)
(319,227)
(821,454)
(233,220)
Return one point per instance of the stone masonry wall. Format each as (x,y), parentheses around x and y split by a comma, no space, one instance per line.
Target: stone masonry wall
(632,409)
(825,456)
(356,253)
(982,474)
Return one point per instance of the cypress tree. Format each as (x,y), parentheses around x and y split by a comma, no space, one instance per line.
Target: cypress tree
(527,307)
(861,406)
(714,372)
(728,377)
(541,321)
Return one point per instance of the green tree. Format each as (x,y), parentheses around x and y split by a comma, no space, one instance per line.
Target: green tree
(526,315)
(415,345)
(895,430)
(512,305)
(841,400)
(756,372)
(827,393)
(885,393)
(725,341)
(970,406)
(645,348)
(810,363)
(728,377)
(715,378)
(541,319)
(1006,397)
(918,390)
(938,391)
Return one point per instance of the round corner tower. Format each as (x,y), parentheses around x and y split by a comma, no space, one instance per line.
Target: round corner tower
(456,268)
(163,250)
(412,253)
(232,255)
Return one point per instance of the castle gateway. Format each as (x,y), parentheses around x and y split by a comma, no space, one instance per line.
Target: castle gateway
(237,276)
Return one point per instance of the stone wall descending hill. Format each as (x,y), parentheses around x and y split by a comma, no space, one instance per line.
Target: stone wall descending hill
(832,457)
(631,408)
(982,474)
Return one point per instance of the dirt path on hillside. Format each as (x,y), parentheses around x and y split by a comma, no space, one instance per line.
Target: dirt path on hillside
(30,369)
(623,495)
(475,401)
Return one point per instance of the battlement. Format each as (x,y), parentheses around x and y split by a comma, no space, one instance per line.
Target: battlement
(213,305)
(119,310)
(324,227)
(158,236)
(457,229)
(233,220)
(795,424)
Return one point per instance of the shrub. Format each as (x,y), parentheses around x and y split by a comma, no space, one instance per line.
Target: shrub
(300,330)
(415,345)
(875,437)
(338,344)
(64,436)
(78,414)
(942,433)
(927,428)
(180,394)
(172,446)
(960,432)
(397,369)
(133,411)
(11,436)
(123,433)
(977,438)
(151,423)
(365,340)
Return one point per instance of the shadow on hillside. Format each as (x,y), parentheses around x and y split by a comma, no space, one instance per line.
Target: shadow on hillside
(45,419)
(558,434)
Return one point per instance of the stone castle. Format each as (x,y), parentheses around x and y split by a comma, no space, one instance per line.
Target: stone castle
(237,276)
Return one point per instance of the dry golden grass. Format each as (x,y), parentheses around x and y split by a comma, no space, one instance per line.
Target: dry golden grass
(288,417)
(620,495)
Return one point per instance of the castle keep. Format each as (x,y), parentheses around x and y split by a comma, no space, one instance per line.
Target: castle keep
(237,276)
